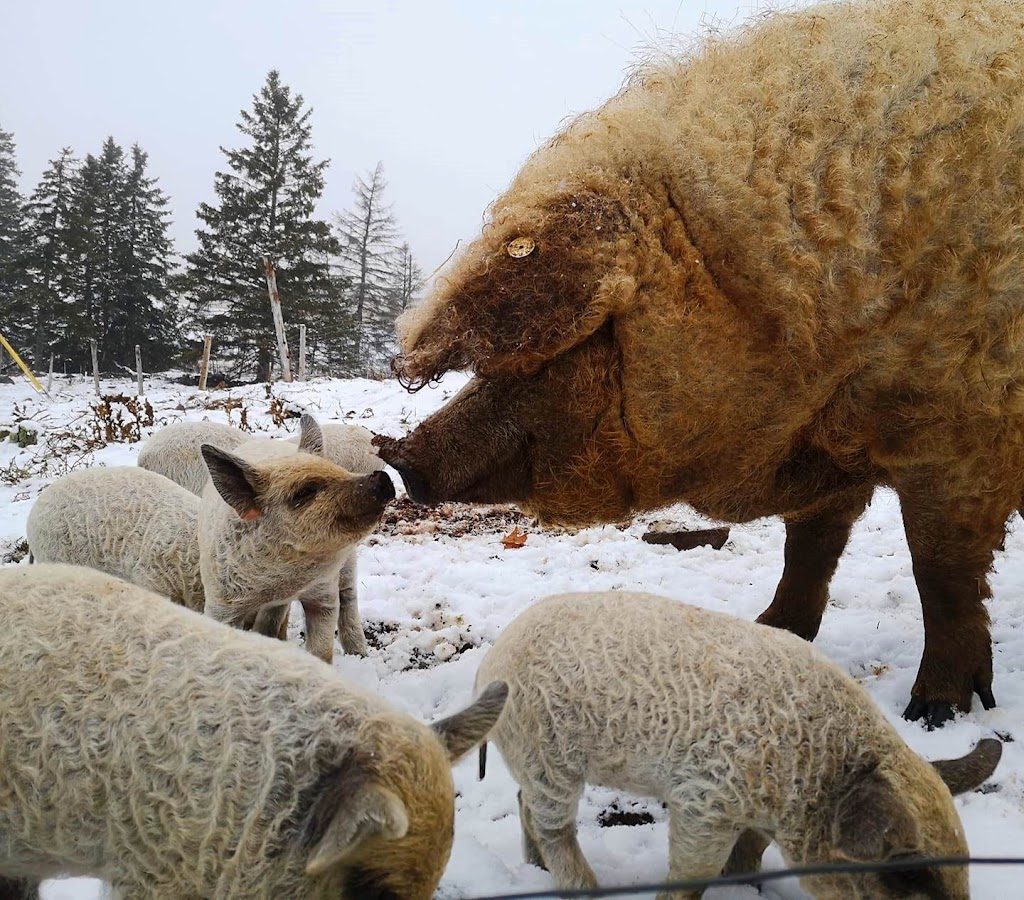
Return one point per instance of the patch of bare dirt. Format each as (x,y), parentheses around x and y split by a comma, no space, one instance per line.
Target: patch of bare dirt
(402,517)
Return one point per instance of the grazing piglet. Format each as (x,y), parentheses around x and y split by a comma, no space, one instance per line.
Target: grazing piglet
(746,732)
(175,758)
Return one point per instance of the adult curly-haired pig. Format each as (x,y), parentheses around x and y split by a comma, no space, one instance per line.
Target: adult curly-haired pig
(747,733)
(152,747)
(260,534)
(766,277)
(175,451)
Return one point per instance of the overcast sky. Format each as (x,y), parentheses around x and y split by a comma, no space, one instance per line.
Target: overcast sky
(451,95)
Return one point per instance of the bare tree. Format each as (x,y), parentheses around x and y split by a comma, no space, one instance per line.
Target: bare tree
(368,234)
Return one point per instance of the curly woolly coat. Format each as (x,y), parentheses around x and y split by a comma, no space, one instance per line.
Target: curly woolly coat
(766,277)
(152,747)
(747,733)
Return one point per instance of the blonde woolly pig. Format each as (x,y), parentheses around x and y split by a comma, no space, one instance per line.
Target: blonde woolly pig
(337,588)
(259,536)
(747,733)
(174,451)
(149,746)
(771,274)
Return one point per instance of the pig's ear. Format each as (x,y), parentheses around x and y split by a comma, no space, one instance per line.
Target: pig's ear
(351,807)
(463,731)
(237,482)
(872,822)
(311,438)
(523,294)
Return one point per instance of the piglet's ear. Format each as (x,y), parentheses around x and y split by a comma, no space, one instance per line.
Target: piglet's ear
(236,481)
(524,292)
(873,823)
(463,731)
(311,438)
(350,808)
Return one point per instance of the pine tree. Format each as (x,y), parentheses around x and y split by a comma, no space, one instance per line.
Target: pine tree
(49,212)
(98,232)
(15,304)
(368,234)
(142,313)
(265,207)
(101,257)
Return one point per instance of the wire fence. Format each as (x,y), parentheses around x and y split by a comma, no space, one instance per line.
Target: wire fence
(911,864)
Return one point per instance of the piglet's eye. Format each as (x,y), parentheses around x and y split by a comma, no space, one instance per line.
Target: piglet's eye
(305,494)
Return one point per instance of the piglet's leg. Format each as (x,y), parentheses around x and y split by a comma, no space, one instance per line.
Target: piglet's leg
(699,848)
(952,539)
(553,826)
(746,854)
(320,605)
(272,621)
(350,626)
(814,544)
(531,852)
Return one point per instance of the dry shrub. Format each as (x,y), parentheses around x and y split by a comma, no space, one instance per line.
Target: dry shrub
(229,404)
(120,419)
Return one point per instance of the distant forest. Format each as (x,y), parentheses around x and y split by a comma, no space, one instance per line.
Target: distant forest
(87,257)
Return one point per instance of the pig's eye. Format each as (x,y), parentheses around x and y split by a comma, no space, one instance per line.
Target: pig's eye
(305,494)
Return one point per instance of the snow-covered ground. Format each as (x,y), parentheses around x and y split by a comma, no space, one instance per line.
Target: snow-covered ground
(425,591)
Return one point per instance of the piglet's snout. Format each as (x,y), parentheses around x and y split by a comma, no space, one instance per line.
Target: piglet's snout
(379,486)
(365,498)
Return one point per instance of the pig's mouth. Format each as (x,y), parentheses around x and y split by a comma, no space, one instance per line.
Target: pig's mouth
(508,478)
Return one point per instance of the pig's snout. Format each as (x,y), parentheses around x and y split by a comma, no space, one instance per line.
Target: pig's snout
(416,485)
(379,488)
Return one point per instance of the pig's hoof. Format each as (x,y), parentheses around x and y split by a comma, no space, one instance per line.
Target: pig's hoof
(935,713)
(804,627)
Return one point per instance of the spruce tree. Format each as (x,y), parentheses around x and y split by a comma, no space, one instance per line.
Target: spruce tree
(265,205)
(143,313)
(49,212)
(368,234)
(15,304)
(97,236)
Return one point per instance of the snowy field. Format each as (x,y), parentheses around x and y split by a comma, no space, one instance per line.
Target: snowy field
(434,601)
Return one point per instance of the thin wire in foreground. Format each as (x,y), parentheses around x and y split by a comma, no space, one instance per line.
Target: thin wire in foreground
(754,878)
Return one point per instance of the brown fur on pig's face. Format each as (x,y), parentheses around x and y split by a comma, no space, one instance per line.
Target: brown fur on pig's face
(596,355)
(553,442)
(501,313)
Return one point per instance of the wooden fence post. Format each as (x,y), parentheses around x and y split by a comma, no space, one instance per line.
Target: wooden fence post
(95,366)
(302,353)
(138,368)
(204,369)
(275,308)
(49,378)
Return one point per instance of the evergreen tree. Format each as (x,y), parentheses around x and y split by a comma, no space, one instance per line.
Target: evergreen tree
(15,305)
(49,213)
(265,206)
(368,234)
(97,235)
(100,260)
(142,312)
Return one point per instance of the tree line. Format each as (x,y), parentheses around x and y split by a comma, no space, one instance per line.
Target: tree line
(88,256)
